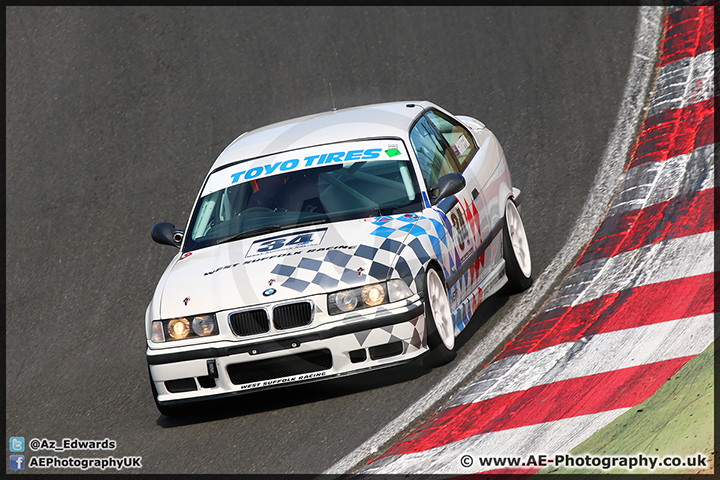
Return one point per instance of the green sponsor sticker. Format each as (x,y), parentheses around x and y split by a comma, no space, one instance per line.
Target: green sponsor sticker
(392,152)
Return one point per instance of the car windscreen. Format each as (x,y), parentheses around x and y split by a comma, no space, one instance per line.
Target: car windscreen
(362,179)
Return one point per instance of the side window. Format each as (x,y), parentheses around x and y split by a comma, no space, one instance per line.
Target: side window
(459,139)
(433,156)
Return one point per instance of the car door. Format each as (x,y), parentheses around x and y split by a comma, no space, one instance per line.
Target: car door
(461,211)
(472,163)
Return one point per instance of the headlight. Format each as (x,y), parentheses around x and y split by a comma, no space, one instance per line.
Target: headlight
(344,301)
(367,296)
(184,327)
(179,328)
(203,325)
(373,295)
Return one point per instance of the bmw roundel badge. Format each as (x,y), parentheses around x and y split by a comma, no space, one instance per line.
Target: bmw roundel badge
(269,292)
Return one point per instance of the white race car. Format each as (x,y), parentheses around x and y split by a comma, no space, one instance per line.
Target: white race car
(333,244)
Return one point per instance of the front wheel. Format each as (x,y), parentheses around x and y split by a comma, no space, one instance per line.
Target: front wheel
(516,252)
(441,331)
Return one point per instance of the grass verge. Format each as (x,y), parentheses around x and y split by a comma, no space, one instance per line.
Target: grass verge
(677,420)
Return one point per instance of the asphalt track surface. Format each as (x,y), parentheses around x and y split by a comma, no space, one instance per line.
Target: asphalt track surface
(114,115)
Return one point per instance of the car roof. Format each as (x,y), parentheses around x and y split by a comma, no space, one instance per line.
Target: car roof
(368,121)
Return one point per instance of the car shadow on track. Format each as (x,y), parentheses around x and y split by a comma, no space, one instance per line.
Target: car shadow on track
(298,395)
(483,318)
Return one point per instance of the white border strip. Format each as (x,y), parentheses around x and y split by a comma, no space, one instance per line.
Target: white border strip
(607,181)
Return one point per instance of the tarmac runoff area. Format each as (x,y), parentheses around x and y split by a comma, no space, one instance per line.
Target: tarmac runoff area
(620,357)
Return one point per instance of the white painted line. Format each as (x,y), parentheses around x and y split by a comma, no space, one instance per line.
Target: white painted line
(605,352)
(557,437)
(607,180)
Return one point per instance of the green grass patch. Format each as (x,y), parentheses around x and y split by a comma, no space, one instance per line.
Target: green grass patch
(677,420)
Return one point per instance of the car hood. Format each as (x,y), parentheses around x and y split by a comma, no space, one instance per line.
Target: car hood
(283,265)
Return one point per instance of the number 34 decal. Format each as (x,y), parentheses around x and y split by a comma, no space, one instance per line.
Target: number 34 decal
(270,245)
(286,242)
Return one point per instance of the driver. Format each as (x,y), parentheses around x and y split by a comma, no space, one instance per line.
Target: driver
(268,193)
(289,193)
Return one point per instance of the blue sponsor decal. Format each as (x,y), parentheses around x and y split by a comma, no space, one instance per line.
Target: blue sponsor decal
(313,160)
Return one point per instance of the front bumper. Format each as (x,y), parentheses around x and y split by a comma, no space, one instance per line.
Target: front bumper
(208,373)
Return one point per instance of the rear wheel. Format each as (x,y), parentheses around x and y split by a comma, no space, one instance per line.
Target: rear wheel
(441,331)
(516,251)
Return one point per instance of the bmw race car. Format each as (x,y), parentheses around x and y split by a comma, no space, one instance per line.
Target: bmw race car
(330,245)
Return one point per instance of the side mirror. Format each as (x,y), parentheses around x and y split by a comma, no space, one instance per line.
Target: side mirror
(166,234)
(447,185)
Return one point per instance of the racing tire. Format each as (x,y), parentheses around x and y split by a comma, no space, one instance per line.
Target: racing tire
(439,323)
(516,252)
